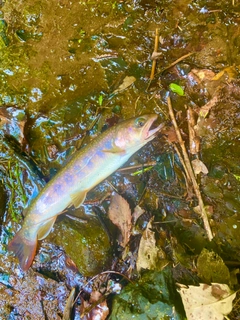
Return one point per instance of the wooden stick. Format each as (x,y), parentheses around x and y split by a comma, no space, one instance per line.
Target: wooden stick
(155,50)
(191,173)
(176,61)
(183,164)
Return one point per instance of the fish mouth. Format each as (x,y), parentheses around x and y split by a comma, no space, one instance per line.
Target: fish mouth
(151,134)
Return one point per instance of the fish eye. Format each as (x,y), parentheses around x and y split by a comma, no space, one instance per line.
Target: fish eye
(139,122)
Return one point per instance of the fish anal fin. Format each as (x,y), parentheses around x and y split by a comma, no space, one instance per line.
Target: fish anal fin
(78,198)
(24,249)
(45,228)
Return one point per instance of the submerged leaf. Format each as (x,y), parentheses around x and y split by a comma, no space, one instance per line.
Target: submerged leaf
(147,252)
(231,72)
(207,302)
(120,214)
(211,268)
(204,110)
(127,82)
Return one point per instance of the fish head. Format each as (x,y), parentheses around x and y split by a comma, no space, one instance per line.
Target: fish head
(134,133)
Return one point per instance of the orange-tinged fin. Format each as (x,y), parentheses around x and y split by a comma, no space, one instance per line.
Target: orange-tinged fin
(45,229)
(24,249)
(78,198)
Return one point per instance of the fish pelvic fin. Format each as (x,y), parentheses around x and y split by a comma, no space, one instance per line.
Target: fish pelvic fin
(24,249)
(45,228)
(78,198)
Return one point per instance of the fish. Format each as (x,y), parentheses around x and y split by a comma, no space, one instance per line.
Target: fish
(87,168)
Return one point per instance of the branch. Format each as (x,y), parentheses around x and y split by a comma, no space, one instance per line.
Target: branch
(191,173)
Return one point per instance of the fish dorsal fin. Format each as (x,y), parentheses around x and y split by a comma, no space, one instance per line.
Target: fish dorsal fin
(45,228)
(78,198)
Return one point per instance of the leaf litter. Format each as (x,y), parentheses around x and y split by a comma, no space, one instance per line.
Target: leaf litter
(147,251)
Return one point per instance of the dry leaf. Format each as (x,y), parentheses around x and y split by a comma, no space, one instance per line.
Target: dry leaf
(138,211)
(147,252)
(208,209)
(199,166)
(99,312)
(120,214)
(69,305)
(204,110)
(127,82)
(231,73)
(207,302)
(203,74)
(156,55)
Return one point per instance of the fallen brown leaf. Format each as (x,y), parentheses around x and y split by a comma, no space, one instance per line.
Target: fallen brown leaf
(127,82)
(120,214)
(138,211)
(199,166)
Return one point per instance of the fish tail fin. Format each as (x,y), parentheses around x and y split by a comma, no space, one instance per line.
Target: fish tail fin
(24,249)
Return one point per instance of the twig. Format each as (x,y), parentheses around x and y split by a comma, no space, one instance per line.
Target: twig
(191,173)
(193,139)
(176,61)
(155,50)
(188,178)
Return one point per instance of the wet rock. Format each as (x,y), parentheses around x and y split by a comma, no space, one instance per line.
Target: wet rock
(87,244)
(32,297)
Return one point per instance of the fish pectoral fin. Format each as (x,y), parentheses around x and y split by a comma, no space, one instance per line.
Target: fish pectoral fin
(114,149)
(45,228)
(78,198)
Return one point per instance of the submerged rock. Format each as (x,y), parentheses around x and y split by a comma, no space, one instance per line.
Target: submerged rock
(87,244)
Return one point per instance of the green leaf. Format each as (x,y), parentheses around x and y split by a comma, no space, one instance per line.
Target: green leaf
(100,100)
(141,171)
(237,177)
(176,89)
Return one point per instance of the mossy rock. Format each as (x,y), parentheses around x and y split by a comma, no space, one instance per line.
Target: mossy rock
(87,244)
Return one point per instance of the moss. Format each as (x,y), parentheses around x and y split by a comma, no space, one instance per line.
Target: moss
(86,244)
